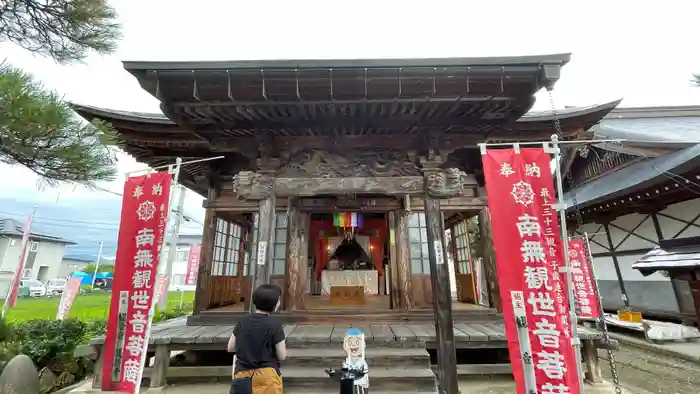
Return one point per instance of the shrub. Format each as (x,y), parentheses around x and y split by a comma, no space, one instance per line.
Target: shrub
(52,343)
(86,289)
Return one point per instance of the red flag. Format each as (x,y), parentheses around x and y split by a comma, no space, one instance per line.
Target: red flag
(68,297)
(585,286)
(193,264)
(141,233)
(529,252)
(17,277)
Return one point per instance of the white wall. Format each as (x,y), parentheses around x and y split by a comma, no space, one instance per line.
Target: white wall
(179,271)
(653,292)
(48,254)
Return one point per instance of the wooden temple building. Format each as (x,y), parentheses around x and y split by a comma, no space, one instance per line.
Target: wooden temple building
(636,195)
(338,182)
(306,140)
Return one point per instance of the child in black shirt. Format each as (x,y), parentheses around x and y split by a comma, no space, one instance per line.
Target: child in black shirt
(258,341)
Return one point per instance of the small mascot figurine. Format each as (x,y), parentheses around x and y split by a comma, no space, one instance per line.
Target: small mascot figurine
(354,373)
(354,346)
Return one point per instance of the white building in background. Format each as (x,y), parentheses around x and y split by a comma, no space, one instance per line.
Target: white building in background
(179,272)
(44,254)
(633,195)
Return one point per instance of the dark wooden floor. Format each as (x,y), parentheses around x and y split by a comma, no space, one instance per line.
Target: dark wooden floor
(467,335)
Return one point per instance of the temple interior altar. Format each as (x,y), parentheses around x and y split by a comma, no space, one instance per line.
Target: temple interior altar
(348,255)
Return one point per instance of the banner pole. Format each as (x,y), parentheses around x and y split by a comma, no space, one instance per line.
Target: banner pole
(152,310)
(172,251)
(172,237)
(97,264)
(601,319)
(561,207)
(17,277)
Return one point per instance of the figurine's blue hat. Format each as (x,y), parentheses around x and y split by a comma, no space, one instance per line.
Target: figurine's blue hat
(353,332)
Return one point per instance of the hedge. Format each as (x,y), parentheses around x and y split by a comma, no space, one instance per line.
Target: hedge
(51,344)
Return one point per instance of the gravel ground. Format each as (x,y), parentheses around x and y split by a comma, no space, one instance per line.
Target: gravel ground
(642,371)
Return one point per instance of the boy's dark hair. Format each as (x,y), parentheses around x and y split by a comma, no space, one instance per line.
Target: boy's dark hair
(265,297)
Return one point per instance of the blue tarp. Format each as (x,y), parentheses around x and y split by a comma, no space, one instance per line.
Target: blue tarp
(86,279)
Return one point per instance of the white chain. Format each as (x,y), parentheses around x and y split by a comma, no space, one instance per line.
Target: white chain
(602,325)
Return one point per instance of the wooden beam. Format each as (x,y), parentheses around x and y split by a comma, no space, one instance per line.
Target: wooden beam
(613,254)
(228,201)
(298,125)
(442,299)
(443,183)
(201,295)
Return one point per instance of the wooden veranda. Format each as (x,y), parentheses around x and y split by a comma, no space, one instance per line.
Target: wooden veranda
(313,347)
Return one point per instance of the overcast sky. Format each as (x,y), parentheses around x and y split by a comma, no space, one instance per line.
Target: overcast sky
(642,51)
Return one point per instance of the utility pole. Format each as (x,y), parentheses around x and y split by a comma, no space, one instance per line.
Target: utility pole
(172,251)
(97,264)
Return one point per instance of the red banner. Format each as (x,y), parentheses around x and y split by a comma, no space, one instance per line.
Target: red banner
(68,297)
(585,288)
(193,264)
(141,232)
(162,286)
(529,252)
(17,277)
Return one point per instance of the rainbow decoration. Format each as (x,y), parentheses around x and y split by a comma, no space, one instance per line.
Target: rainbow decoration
(347,219)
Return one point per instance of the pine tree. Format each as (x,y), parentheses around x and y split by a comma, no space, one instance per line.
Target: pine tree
(38,129)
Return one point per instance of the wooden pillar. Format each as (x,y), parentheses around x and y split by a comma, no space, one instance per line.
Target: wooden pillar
(590,356)
(393,271)
(403,259)
(616,264)
(201,294)
(489,258)
(263,261)
(303,287)
(294,269)
(442,300)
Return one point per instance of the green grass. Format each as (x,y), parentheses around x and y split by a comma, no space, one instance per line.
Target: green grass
(87,307)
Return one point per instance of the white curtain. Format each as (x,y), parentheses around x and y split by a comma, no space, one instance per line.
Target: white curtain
(363,240)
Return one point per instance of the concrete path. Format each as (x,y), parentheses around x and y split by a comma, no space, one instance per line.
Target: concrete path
(689,351)
(653,371)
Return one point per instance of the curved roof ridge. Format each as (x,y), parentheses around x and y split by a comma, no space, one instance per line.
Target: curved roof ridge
(570,112)
(133,116)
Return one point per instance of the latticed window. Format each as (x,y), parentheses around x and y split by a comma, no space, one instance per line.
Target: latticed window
(418,241)
(227,246)
(279,247)
(462,247)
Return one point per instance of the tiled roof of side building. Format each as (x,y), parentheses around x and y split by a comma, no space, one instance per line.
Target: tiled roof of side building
(11,227)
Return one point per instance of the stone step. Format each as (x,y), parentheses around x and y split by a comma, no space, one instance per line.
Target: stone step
(314,379)
(376,357)
(380,379)
(465,370)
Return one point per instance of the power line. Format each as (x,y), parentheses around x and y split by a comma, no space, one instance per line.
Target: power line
(61,222)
